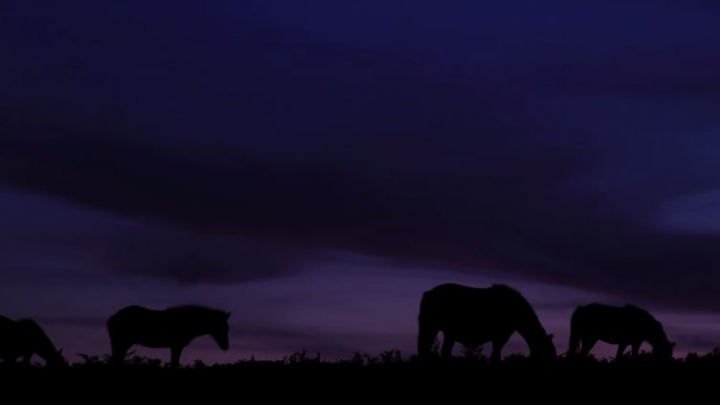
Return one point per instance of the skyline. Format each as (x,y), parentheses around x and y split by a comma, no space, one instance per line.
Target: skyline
(255,155)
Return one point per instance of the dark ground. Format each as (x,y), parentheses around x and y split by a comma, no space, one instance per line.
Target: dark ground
(390,375)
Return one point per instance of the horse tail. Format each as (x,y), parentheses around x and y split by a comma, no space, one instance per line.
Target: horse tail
(575,321)
(427,328)
(113,331)
(425,306)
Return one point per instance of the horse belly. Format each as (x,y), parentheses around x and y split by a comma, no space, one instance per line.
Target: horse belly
(11,348)
(153,334)
(472,334)
(472,338)
(612,333)
(11,354)
(612,339)
(471,322)
(153,342)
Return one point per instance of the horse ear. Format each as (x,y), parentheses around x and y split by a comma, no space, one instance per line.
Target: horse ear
(227,315)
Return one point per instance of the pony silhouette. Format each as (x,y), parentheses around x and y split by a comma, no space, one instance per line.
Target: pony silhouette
(475,316)
(623,326)
(172,328)
(24,338)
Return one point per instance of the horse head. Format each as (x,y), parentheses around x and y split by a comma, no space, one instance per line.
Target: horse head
(220,331)
(56,359)
(544,348)
(664,350)
(42,345)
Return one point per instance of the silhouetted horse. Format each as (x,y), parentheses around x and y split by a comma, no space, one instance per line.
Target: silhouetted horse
(25,338)
(173,328)
(471,315)
(618,325)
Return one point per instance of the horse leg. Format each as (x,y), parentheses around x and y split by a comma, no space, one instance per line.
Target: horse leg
(620,350)
(574,343)
(635,349)
(497,346)
(586,346)
(426,337)
(175,352)
(447,346)
(119,351)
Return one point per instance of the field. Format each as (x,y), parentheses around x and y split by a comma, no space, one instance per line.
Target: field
(390,360)
(387,374)
(401,382)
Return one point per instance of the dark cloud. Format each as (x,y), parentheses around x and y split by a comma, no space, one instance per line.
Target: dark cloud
(699,342)
(74,321)
(189,258)
(248,152)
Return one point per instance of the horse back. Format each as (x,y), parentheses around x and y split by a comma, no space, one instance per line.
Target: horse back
(138,319)
(9,332)
(608,320)
(456,304)
(131,316)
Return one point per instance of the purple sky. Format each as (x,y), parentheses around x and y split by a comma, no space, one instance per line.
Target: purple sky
(314,166)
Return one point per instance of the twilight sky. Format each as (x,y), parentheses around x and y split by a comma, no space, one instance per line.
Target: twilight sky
(313,166)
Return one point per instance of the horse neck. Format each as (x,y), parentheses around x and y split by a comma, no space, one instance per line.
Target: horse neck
(47,353)
(43,346)
(656,335)
(530,328)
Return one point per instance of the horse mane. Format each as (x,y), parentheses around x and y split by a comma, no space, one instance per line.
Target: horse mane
(650,318)
(512,291)
(507,288)
(35,327)
(638,309)
(523,301)
(31,323)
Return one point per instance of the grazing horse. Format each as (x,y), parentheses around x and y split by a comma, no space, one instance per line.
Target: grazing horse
(475,316)
(25,338)
(173,328)
(618,325)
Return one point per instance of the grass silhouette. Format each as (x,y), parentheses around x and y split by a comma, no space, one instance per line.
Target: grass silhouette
(471,358)
(305,376)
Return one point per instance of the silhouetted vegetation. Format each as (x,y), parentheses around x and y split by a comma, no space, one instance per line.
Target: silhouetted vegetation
(471,357)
